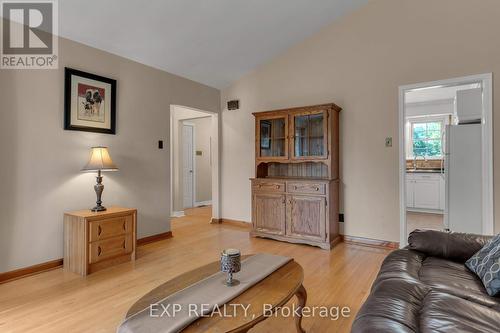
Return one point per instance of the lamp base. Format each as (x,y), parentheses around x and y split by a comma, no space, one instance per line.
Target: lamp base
(98,209)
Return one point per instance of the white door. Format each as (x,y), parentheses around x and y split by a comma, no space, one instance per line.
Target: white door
(188,165)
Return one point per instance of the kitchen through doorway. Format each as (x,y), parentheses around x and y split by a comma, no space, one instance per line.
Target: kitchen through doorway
(445,156)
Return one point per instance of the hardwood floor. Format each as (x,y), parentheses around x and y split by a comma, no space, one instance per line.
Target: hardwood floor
(59,301)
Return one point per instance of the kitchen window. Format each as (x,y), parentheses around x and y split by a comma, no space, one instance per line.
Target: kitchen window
(427,139)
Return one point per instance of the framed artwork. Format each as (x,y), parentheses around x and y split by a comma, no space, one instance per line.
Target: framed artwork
(89,102)
(265,134)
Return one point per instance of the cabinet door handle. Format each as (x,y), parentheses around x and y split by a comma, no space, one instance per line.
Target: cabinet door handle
(124,226)
(99,251)
(99,230)
(124,244)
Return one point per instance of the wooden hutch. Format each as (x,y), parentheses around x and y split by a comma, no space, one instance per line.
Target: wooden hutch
(295,195)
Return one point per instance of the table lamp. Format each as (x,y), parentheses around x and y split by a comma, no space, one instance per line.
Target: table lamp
(99,161)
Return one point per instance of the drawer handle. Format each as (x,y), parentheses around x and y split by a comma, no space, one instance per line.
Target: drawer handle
(124,226)
(277,187)
(124,244)
(316,188)
(99,230)
(99,251)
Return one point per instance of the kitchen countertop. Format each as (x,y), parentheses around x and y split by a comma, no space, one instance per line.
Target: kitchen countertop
(423,171)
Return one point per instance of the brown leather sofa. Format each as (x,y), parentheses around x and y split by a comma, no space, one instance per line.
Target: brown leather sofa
(427,288)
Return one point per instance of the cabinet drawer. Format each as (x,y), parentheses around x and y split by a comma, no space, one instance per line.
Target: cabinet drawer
(109,248)
(310,188)
(112,227)
(268,186)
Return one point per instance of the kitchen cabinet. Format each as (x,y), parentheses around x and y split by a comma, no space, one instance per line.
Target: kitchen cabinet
(410,190)
(425,191)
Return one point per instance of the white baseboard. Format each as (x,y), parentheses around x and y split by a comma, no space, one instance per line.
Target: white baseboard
(179,213)
(203,203)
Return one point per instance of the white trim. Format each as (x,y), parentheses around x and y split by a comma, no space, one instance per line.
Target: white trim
(203,203)
(487,151)
(214,157)
(178,213)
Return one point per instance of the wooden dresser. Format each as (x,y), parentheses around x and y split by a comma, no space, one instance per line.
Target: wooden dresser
(295,194)
(97,240)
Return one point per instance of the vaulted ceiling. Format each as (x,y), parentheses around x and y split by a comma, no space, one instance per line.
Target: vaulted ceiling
(214,42)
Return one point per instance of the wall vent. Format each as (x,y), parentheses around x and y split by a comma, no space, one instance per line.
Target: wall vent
(233,105)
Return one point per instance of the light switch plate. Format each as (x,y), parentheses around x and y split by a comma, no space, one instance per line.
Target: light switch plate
(388,142)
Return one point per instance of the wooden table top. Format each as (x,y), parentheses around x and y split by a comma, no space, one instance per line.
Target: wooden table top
(276,289)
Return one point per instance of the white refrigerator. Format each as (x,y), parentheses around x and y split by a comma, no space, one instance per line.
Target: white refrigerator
(463,181)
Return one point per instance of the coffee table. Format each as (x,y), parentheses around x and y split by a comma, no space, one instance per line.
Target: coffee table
(276,290)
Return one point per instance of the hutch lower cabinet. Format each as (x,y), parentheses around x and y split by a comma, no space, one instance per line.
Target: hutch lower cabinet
(295,194)
(296,211)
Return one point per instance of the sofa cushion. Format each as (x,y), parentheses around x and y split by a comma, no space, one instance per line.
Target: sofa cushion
(403,264)
(486,264)
(454,278)
(442,312)
(393,306)
(449,245)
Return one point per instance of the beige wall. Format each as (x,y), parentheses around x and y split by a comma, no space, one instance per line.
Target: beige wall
(203,174)
(358,63)
(40,166)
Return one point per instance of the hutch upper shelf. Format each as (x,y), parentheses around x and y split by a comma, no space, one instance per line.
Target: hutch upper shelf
(297,135)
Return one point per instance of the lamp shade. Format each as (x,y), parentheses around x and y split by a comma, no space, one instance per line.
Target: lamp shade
(100,160)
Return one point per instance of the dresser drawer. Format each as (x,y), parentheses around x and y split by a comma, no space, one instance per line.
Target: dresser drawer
(109,248)
(268,186)
(303,187)
(111,227)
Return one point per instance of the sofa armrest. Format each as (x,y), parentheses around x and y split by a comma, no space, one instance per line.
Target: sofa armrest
(449,245)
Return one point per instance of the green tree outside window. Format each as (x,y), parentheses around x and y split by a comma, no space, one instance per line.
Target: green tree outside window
(427,139)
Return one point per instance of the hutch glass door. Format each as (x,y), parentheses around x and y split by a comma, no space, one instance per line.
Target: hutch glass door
(273,143)
(309,135)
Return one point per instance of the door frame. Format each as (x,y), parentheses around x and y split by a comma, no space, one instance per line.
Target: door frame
(487,149)
(193,163)
(214,159)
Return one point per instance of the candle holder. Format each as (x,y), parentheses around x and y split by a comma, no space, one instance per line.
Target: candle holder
(230,263)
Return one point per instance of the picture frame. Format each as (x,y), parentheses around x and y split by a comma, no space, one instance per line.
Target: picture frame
(265,135)
(89,102)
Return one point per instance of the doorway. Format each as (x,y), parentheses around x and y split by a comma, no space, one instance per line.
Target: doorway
(188,169)
(194,160)
(446,166)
